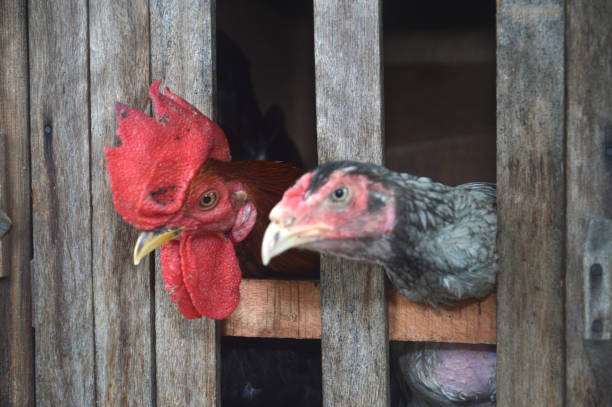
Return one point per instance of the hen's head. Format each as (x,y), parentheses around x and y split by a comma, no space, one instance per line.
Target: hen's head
(334,208)
(161,182)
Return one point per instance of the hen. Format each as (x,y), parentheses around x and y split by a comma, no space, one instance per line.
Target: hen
(172,178)
(435,242)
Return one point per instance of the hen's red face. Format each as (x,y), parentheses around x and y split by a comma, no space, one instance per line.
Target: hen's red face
(317,213)
(161,183)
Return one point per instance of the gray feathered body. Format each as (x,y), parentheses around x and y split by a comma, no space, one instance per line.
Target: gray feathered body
(443,242)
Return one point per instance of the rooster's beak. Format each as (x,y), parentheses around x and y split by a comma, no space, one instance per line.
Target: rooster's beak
(279,238)
(151,240)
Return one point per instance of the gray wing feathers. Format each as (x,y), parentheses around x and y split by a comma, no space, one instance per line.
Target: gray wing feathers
(486,188)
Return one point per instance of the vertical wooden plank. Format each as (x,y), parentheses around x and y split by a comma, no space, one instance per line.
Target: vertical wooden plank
(589,170)
(531,203)
(119,71)
(348,74)
(61,204)
(182,55)
(16,351)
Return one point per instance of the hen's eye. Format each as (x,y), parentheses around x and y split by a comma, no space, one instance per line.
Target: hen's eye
(340,194)
(208,200)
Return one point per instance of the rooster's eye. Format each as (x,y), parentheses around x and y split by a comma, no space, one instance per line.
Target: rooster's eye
(208,200)
(340,194)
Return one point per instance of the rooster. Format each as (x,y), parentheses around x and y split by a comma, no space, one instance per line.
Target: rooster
(435,242)
(172,178)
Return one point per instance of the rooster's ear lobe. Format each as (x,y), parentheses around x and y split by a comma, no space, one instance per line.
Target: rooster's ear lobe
(244,222)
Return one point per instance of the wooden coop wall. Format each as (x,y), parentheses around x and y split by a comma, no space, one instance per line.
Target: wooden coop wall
(554,174)
(79,325)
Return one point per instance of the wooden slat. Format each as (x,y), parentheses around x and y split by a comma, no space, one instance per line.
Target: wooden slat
(348,73)
(291,309)
(16,356)
(182,55)
(589,171)
(119,71)
(276,309)
(531,203)
(470,322)
(61,204)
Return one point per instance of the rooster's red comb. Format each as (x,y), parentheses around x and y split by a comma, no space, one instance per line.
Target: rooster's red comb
(151,170)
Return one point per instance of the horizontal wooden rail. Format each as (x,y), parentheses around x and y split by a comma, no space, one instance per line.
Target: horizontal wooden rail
(291,309)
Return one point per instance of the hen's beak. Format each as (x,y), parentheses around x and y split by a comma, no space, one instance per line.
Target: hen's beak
(279,238)
(151,240)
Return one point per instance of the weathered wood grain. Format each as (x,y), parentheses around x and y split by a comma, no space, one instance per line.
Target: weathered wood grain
(589,171)
(16,350)
(183,56)
(531,203)
(276,309)
(348,73)
(469,322)
(292,309)
(119,71)
(61,203)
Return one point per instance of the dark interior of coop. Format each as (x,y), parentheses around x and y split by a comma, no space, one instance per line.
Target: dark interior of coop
(439,122)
